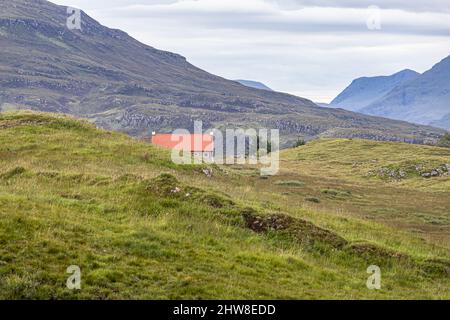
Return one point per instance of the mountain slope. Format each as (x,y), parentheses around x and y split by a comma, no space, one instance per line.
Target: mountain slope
(71,194)
(254,84)
(106,76)
(444,122)
(364,91)
(425,100)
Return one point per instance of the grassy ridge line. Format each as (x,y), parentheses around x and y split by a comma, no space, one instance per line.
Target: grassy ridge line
(364,161)
(72,194)
(54,141)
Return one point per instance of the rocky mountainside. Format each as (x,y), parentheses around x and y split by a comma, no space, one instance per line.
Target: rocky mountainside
(119,83)
(364,91)
(425,100)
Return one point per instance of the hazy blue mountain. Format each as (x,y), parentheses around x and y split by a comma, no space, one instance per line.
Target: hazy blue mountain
(442,123)
(424,100)
(364,91)
(254,84)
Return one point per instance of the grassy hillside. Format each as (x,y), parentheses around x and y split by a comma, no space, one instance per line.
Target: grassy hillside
(370,161)
(142,227)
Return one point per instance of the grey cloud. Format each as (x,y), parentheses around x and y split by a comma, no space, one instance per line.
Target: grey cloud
(413,5)
(301,21)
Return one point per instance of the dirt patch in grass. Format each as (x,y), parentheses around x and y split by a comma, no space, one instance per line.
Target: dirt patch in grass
(12,173)
(301,230)
(168,186)
(373,252)
(165,185)
(436,267)
(305,232)
(215,201)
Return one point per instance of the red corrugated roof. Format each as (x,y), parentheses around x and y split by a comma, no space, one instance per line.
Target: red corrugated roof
(185,142)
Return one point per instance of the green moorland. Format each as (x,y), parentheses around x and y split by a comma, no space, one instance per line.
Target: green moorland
(142,227)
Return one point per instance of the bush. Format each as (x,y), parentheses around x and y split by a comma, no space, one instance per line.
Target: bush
(260,144)
(445,141)
(313,199)
(290,183)
(336,193)
(299,143)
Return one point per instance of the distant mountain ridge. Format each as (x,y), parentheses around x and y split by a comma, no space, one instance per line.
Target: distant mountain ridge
(121,84)
(254,84)
(424,100)
(407,95)
(364,91)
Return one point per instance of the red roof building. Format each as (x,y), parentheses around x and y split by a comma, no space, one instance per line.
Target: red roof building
(199,145)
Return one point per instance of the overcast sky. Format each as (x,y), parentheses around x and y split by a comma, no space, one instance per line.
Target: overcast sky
(312,49)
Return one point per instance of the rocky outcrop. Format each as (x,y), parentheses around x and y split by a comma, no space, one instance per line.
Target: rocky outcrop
(408,172)
(443,170)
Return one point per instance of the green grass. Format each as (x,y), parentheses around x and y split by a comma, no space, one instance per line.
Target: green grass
(362,160)
(290,183)
(141,227)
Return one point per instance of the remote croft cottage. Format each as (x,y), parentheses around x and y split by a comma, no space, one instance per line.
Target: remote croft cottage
(199,145)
